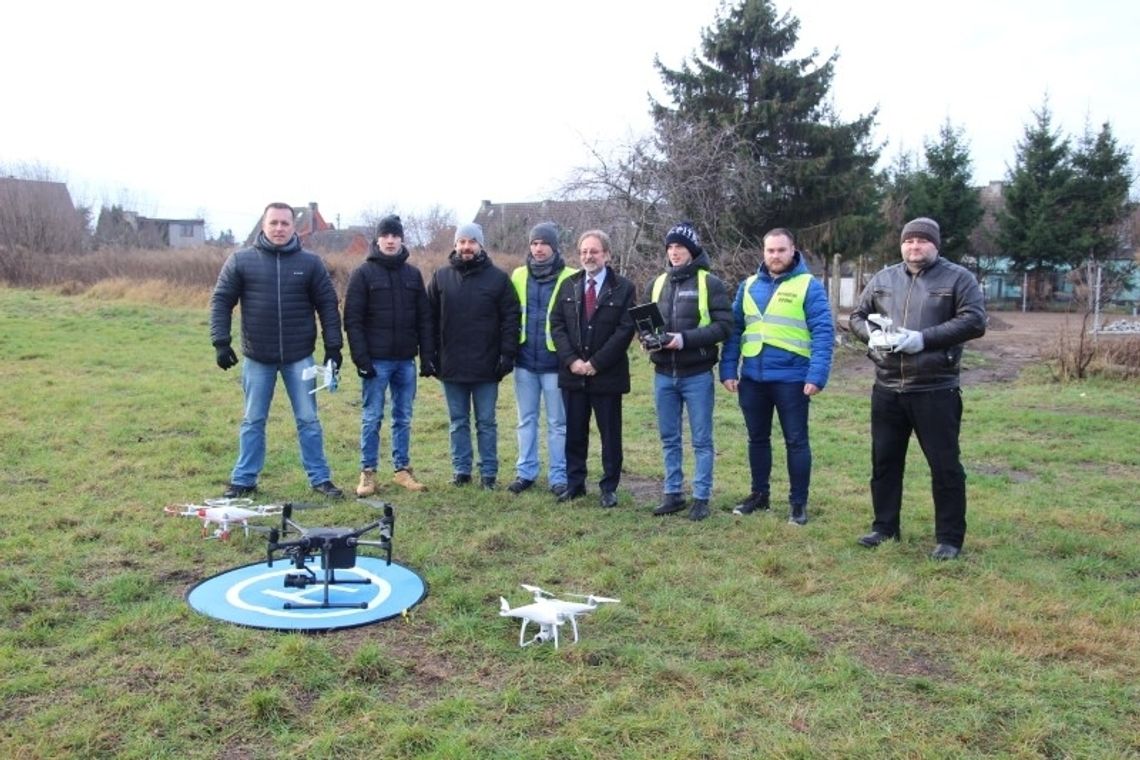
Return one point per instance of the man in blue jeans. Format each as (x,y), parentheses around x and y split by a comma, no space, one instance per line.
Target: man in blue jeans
(280,287)
(785,333)
(698,315)
(388,322)
(475,318)
(536,366)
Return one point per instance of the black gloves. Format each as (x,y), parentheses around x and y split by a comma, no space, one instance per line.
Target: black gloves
(428,368)
(226,357)
(333,354)
(506,364)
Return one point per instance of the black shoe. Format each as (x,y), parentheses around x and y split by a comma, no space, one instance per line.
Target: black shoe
(945,551)
(460,479)
(558,489)
(699,510)
(874,538)
(798,514)
(238,491)
(488,484)
(756,502)
(608,500)
(673,502)
(520,485)
(569,494)
(328,489)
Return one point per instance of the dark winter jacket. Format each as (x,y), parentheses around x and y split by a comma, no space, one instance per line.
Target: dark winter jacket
(475,318)
(774,364)
(280,288)
(943,302)
(534,355)
(603,341)
(386,314)
(679,306)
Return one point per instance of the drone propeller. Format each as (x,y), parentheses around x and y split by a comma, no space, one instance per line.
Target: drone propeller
(594,599)
(535,590)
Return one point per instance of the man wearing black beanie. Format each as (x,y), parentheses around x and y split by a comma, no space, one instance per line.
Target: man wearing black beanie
(388,322)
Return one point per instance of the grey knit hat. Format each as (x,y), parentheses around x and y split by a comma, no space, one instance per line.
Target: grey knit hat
(547,233)
(925,227)
(471,231)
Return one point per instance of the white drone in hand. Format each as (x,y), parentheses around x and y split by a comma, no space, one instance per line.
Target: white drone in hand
(548,613)
(223,513)
(327,372)
(886,337)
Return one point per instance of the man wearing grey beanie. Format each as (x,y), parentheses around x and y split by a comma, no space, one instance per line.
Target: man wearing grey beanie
(475,318)
(914,317)
(536,367)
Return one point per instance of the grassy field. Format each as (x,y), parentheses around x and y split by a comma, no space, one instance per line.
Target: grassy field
(735,637)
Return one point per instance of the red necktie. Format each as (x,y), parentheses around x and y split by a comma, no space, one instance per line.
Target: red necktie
(591,299)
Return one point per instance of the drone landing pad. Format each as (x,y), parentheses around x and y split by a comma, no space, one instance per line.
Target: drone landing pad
(255,596)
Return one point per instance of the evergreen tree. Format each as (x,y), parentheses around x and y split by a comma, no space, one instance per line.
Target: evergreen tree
(807,169)
(942,190)
(1099,193)
(1036,228)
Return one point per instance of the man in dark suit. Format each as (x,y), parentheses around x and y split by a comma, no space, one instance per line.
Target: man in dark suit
(592,329)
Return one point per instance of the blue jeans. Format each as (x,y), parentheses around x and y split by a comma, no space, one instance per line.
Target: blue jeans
(258,382)
(531,389)
(671,395)
(460,397)
(757,400)
(400,376)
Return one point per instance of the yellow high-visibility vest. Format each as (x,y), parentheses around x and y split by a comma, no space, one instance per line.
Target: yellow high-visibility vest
(518,279)
(783,324)
(702,294)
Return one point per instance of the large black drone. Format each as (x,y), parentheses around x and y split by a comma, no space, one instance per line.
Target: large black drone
(337,550)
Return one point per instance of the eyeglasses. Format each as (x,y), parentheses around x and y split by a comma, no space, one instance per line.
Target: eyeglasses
(590,251)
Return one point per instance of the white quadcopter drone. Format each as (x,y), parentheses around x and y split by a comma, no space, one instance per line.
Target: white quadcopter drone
(886,337)
(327,373)
(223,513)
(549,613)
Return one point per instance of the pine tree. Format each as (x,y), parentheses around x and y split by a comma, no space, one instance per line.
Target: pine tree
(1036,228)
(1099,193)
(942,190)
(807,169)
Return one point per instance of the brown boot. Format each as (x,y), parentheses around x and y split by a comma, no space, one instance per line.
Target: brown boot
(407,480)
(367,485)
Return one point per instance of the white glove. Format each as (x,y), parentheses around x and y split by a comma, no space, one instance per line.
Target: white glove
(879,341)
(909,342)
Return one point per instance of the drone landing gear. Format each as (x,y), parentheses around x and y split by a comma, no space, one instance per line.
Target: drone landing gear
(308,578)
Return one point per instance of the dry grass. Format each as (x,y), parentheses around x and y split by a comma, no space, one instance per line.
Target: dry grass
(170,277)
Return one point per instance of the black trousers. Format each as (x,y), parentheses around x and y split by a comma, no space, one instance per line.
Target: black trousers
(606,408)
(935,417)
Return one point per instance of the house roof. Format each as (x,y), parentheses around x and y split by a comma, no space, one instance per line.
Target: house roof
(47,197)
(506,225)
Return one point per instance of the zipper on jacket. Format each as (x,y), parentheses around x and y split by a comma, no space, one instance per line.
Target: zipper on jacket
(280,321)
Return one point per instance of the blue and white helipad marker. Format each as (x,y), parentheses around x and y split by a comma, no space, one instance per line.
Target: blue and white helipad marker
(255,596)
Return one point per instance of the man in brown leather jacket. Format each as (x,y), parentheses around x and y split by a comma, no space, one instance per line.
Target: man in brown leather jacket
(915,316)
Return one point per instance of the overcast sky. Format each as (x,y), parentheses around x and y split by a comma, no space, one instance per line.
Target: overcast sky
(214,109)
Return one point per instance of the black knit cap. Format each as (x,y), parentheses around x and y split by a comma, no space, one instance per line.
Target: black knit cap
(390,225)
(685,234)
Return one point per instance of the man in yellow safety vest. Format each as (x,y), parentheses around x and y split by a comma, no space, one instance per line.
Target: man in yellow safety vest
(785,334)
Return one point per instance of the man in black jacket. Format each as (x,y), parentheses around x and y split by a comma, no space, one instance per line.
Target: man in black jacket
(933,307)
(388,322)
(279,286)
(698,315)
(592,330)
(475,318)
